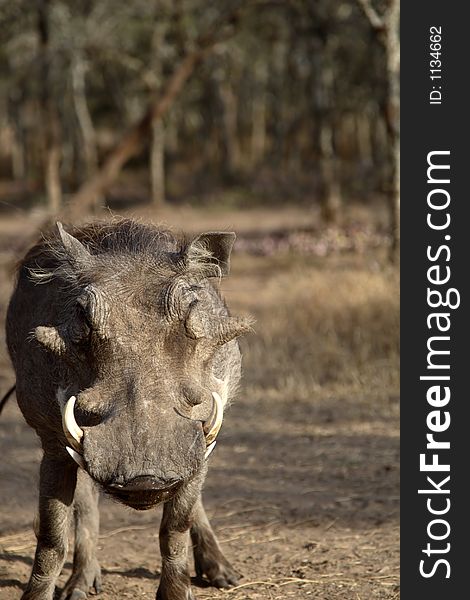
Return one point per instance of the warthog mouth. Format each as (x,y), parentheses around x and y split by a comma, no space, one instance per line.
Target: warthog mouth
(143,492)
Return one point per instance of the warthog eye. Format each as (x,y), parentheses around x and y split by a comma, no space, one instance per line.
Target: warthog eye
(81,329)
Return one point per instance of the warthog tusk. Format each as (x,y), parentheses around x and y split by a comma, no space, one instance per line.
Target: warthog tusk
(78,458)
(72,431)
(214,422)
(209,449)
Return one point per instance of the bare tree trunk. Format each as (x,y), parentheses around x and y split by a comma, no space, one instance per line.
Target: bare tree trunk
(85,124)
(331,190)
(13,107)
(259,113)
(364,138)
(18,155)
(379,140)
(171,133)
(331,193)
(87,135)
(392,47)
(157,145)
(18,164)
(157,163)
(50,118)
(53,158)
(387,29)
(258,131)
(230,130)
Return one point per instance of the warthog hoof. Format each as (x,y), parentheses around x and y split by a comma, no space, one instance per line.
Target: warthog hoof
(219,572)
(81,582)
(164,594)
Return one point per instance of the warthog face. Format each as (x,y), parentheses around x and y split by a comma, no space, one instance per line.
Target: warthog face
(147,349)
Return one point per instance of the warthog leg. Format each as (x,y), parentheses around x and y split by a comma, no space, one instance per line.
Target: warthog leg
(86,571)
(175,582)
(208,557)
(56,488)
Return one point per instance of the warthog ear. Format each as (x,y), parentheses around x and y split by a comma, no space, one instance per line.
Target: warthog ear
(229,328)
(75,249)
(220,330)
(213,250)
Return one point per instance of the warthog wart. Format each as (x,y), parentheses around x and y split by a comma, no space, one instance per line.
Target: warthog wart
(125,357)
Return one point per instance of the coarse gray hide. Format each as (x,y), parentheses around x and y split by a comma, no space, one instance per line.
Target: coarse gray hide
(125,356)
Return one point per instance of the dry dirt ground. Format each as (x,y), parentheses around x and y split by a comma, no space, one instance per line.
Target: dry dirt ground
(303,485)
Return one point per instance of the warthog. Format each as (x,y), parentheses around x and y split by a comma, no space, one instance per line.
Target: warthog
(125,356)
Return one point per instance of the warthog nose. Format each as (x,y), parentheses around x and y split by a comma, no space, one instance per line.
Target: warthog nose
(146,483)
(144,491)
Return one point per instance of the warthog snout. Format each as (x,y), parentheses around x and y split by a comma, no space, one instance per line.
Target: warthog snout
(144,491)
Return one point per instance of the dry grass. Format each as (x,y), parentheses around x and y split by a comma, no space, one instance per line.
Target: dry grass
(322,325)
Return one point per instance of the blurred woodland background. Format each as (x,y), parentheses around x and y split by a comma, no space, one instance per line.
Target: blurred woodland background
(271,101)
(277,119)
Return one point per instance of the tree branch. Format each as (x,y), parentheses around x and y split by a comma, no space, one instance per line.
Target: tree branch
(134,139)
(375,20)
